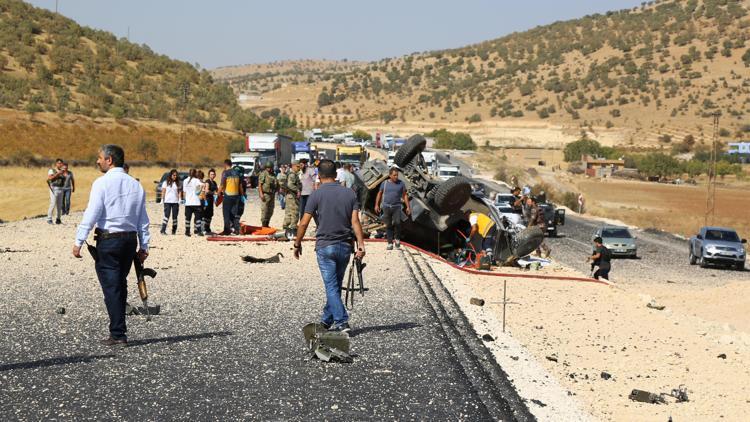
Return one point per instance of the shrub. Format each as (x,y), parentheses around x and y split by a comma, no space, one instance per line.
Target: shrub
(475,118)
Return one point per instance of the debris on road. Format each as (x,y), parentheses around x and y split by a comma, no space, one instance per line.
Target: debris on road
(646,397)
(552,358)
(476,301)
(606,375)
(488,337)
(722,356)
(60,311)
(272,260)
(653,305)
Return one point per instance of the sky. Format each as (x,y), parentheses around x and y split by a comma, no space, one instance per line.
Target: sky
(216,33)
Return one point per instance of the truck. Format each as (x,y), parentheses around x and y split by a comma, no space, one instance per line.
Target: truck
(430,161)
(447,171)
(355,155)
(301,151)
(270,147)
(317,135)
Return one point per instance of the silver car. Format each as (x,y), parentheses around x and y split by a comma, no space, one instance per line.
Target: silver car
(718,245)
(618,240)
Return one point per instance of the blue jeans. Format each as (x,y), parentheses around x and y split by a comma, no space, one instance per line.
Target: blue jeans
(114,258)
(66,201)
(332,261)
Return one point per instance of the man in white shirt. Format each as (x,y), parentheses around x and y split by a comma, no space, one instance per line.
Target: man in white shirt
(117,206)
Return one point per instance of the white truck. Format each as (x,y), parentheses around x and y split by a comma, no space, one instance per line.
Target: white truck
(246,160)
(447,171)
(430,161)
(317,135)
(391,155)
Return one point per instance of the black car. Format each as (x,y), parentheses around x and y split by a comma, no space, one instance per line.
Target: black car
(181,175)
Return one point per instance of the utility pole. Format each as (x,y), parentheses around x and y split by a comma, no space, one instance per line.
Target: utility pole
(180,148)
(711,194)
(55,6)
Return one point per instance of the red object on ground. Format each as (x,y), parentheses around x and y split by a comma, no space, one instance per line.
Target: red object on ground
(256,230)
(439,258)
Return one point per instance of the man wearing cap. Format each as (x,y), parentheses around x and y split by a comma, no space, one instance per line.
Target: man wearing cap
(117,206)
(293,189)
(267,187)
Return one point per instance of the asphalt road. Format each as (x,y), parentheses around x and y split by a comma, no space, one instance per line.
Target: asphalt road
(662,257)
(228,344)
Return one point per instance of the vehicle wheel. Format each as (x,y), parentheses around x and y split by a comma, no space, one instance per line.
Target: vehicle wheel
(528,240)
(414,146)
(553,233)
(452,194)
(740,266)
(691,258)
(702,261)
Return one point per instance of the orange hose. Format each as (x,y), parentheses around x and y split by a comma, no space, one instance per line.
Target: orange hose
(258,239)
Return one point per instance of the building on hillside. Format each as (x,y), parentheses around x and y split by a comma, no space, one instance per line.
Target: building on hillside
(740,149)
(601,167)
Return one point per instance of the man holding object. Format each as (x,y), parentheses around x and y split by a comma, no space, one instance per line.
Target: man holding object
(337,212)
(117,206)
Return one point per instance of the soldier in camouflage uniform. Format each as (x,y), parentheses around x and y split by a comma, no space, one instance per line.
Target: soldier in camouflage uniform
(293,189)
(536,218)
(267,187)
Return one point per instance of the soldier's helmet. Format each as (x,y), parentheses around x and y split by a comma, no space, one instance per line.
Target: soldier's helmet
(269,165)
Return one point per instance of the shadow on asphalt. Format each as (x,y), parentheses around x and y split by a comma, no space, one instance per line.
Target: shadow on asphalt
(44,363)
(384,328)
(177,339)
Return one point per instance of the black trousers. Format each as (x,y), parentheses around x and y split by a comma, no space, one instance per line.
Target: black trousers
(208,214)
(302,204)
(190,211)
(172,209)
(602,272)
(392,219)
(114,259)
(229,210)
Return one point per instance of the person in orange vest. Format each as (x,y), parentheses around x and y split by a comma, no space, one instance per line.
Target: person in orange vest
(483,230)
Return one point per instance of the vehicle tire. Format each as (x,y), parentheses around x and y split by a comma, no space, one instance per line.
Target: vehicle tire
(553,233)
(691,258)
(740,266)
(527,241)
(702,261)
(452,194)
(406,153)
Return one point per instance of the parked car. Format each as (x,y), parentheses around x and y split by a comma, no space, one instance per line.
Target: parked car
(619,241)
(718,246)
(182,175)
(506,210)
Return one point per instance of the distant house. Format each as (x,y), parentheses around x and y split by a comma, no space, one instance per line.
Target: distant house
(601,167)
(740,149)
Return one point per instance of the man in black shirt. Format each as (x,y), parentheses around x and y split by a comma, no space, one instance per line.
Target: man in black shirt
(337,212)
(601,258)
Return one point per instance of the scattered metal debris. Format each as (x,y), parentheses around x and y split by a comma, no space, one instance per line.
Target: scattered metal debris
(606,375)
(538,403)
(9,250)
(646,397)
(327,345)
(476,301)
(722,356)
(653,305)
(488,337)
(60,311)
(272,260)
(551,358)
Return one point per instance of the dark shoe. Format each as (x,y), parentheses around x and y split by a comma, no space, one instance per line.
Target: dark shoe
(58,221)
(199,234)
(397,243)
(389,247)
(225,233)
(187,233)
(326,326)
(49,221)
(114,342)
(343,328)
(164,232)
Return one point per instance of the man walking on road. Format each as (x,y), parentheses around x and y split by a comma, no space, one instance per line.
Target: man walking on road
(69,187)
(293,189)
(337,212)
(308,174)
(601,258)
(391,195)
(56,182)
(267,187)
(117,207)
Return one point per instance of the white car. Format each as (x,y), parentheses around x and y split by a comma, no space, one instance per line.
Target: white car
(506,210)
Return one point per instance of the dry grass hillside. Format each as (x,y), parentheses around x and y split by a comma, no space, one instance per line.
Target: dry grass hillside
(49,63)
(645,77)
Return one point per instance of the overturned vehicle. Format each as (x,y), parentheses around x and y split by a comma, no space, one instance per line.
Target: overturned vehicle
(438,221)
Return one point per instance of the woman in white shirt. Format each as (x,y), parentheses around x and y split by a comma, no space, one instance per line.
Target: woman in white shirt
(191,190)
(170,196)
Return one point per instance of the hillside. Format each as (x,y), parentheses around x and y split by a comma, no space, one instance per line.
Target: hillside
(644,77)
(49,63)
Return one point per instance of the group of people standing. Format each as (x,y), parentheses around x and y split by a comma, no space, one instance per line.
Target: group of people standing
(197,193)
(61,185)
